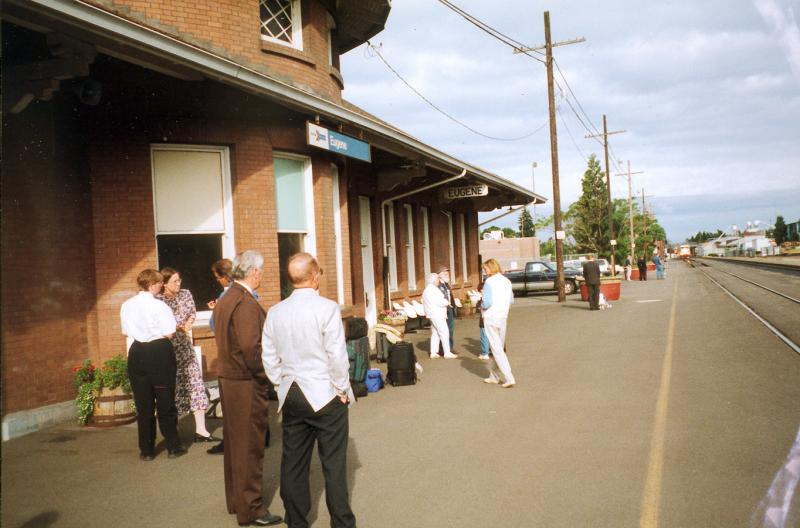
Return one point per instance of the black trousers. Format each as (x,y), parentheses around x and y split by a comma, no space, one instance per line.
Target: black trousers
(594,296)
(642,274)
(151,369)
(329,428)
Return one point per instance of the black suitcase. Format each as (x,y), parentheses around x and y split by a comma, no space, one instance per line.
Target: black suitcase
(355,328)
(401,364)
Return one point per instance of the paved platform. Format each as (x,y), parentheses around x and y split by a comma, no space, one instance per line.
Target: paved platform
(675,409)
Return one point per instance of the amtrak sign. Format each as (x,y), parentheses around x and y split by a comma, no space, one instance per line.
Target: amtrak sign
(323,138)
(468,191)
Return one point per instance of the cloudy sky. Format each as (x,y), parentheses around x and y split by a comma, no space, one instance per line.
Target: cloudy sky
(708,92)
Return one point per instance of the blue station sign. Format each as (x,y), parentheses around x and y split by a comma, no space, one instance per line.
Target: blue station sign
(323,138)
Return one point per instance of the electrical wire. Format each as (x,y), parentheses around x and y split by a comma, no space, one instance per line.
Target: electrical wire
(505,39)
(450,117)
(569,133)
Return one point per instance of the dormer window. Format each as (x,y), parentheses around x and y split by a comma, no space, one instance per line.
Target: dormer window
(280,22)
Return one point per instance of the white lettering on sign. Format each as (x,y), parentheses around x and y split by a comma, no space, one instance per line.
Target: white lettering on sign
(454,193)
(338,143)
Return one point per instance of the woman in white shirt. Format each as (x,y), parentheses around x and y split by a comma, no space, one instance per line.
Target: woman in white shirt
(435,304)
(497,299)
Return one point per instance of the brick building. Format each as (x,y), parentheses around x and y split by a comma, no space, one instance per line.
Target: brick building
(142,134)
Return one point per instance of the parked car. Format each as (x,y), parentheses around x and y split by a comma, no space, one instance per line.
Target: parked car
(541,276)
(605,267)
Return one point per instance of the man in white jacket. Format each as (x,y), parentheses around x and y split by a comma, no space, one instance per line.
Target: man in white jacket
(435,304)
(304,355)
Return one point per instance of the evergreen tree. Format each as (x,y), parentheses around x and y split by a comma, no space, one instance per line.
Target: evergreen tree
(526,225)
(780,230)
(589,215)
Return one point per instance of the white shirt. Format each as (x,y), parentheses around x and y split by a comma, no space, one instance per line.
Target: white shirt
(434,302)
(145,318)
(500,296)
(303,343)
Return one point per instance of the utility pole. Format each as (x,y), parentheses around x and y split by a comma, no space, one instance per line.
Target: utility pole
(630,205)
(611,239)
(551,100)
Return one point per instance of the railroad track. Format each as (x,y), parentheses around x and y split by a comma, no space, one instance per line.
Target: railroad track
(793,302)
(771,266)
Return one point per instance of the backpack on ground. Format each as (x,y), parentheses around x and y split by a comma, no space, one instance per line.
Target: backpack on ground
(355,328)
(401,364)
(374,380)
(359,389)
(358,354)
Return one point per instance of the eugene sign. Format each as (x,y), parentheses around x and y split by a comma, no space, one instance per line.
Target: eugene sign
(469,191)
(341,144)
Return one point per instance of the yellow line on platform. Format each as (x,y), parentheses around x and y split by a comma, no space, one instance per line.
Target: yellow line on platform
(651,501)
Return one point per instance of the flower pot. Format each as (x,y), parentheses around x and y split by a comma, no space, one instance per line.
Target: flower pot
(112,408)
(609,287)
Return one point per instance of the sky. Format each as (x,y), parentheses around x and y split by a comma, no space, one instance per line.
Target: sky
(708,94)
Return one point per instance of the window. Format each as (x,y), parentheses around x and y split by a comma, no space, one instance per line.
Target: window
(337,231)
(451,247)
(280,22)
(411,268)
(333,48)
(390,245)
(462,228)
(193,214)
(426,243)
(294,205)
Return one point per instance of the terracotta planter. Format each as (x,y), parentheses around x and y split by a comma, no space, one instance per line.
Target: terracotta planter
(610,288)
(112,408)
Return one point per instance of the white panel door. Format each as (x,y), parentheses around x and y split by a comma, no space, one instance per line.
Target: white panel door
(367,265)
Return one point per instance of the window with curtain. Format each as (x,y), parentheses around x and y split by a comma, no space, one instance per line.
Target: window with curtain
(463,231)
(391,251)
(294,212)
(410,264)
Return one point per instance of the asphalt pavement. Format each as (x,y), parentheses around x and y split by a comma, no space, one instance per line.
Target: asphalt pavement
(675,408)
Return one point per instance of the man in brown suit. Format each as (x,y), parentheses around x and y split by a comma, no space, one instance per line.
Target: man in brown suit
(238,320)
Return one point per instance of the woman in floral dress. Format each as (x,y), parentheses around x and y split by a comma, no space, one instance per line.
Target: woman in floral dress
(190,393)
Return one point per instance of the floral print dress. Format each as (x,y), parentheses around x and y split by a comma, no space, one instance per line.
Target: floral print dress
(190,393)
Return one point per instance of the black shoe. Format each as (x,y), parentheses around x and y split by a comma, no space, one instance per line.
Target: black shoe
(177,452)
(217,449)
(267,520)
(200,438)
(145,457)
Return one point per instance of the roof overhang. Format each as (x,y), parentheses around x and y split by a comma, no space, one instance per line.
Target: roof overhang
(136,40)
(359,20)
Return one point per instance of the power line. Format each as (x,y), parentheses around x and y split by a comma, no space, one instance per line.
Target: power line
(505,39)
(569,133)
(596,131)
(432,105)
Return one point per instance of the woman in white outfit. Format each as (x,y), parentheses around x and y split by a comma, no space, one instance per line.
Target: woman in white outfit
(497,299)
(435,304)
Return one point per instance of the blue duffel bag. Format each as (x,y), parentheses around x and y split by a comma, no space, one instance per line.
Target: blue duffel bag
(374,380)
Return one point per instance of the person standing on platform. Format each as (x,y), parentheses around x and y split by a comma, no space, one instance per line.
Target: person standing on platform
(642,265)
(444,285)
(238,319)
(628,267)
(659,266)
(304,355)
(221,270)
(149,323)
(495,304)
(435,305)
(591,272)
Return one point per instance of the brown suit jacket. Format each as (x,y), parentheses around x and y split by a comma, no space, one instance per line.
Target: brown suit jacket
(591,272)
(238,323)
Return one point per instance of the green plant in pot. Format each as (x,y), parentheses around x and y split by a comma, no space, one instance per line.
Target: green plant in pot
(91,381)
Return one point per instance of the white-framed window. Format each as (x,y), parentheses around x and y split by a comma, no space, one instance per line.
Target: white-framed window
(391,251)
(426,243)
(451,246)
(193,213)
(333,51)
(294,206)
(462,228)
(410,264)
(337,232)
(281,22)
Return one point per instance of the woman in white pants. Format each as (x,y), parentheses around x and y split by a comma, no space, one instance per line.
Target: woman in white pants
(435,304)
(497,299)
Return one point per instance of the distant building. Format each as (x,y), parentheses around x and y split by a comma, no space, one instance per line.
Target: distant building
(793,231)
(511,253)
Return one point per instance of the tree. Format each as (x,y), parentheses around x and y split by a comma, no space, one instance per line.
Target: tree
(780,230)
(589,215)
(526,225)
(509,233)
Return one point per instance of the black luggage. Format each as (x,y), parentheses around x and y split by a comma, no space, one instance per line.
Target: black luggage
(355,328)
(359,389)
(382,346)
(401,364)
(358,354)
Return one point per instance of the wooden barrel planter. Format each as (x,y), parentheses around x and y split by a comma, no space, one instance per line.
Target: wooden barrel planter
(609,287)
(112,408)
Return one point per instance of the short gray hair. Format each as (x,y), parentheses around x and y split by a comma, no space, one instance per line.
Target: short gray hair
(245,263)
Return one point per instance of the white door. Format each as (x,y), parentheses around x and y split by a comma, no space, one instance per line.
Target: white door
(367,266)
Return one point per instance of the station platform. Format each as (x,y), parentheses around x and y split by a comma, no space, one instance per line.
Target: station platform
(674,408)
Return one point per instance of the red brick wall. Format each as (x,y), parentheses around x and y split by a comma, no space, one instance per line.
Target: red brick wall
(231,28)
(47,280)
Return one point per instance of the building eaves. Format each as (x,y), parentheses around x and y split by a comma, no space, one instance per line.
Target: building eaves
(132,34)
